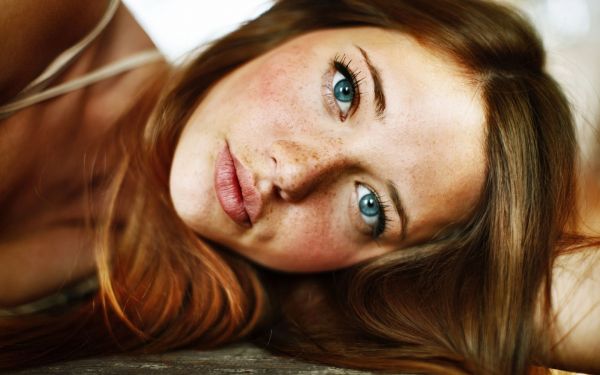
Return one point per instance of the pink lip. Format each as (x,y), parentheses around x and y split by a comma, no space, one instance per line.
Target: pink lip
(235,189)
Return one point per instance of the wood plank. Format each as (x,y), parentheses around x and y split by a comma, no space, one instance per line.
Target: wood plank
(242,358)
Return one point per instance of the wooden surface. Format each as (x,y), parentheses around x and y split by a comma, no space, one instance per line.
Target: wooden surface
(236,359)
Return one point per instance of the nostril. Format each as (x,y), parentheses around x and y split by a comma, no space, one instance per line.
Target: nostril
(280,193)
(284,195)
(273,163)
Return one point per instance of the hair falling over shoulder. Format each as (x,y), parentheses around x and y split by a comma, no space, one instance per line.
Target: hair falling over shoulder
(464,302)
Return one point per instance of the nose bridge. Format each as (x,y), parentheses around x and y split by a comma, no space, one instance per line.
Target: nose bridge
(300,165)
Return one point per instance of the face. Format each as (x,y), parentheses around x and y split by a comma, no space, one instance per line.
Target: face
(336,147)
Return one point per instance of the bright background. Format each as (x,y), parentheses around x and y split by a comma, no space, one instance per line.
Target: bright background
(178,26)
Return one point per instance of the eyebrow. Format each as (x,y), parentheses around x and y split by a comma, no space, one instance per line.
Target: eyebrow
(395,197)
(377,86)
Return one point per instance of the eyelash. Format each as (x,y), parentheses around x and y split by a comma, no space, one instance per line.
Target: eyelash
(341,64)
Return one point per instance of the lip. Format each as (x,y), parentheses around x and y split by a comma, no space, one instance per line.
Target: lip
(235,189)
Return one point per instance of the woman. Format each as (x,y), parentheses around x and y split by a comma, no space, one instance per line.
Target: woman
(417,151)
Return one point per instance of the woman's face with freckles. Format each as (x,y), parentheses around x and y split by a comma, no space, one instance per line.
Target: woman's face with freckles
(336,147)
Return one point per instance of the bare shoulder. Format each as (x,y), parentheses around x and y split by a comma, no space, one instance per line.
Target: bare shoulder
(43,262)
(576,311)
(33,33)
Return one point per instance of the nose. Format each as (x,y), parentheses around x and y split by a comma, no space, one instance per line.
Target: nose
(299,167)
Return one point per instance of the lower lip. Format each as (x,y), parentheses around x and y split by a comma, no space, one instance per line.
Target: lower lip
(228,188)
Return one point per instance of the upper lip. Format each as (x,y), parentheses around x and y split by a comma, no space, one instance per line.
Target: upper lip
(251,196)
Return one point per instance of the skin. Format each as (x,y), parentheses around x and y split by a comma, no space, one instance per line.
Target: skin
(48,148)
(279,118)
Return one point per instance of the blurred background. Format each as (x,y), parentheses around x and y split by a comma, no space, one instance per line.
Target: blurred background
(178,26)
(571,31)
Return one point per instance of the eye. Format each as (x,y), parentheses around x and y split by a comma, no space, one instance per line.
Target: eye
(371,210)
(342,89)
(343,92)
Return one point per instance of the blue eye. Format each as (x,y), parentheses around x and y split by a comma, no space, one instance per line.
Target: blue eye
(368,205)
(371,210)
(343,92)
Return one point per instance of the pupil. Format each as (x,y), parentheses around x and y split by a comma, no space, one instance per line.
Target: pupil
(343,91)
(368,205)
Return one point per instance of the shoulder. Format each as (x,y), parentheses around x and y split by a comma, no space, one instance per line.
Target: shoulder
(43,262)
(575,315)
(33,33)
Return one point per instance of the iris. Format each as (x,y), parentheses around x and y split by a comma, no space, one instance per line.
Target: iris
(368,205)
(343,91)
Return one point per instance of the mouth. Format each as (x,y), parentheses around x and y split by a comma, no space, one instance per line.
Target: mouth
(235,189)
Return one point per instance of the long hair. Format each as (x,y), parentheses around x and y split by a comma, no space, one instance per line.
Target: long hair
(465,301)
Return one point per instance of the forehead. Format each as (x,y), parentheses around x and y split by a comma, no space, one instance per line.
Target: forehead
(436,123)
(431,141)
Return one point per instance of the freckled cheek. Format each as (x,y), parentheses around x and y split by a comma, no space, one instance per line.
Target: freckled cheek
(276,85)
(316,242)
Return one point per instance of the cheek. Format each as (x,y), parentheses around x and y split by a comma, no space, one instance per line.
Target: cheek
(314,243)
(269,79)
(280,92)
